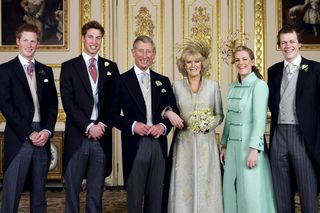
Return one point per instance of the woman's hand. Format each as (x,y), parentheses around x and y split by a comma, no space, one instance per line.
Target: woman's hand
(252,158)
(223,154)
(174,119)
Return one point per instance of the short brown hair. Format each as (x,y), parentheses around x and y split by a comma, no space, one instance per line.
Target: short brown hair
(28,28)
(288,29)
(91,25)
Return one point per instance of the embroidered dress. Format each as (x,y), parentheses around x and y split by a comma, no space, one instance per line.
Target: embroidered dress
(195,178)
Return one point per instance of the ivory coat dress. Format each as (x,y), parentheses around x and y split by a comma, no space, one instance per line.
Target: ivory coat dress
(195,184)
(247,190)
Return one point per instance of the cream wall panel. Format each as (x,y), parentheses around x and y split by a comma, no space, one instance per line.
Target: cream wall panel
(146,18)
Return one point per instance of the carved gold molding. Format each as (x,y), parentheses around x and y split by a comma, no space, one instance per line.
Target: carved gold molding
(144,23)
(201,30)
(259,34)
(61,116)
(85,16)
(1,118)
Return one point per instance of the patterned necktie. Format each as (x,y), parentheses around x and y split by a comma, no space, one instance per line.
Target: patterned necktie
(290,70)
(30,69)
(145,80)
(93,70)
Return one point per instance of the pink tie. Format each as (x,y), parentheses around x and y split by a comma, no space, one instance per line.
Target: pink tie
(93,70)
(30,69)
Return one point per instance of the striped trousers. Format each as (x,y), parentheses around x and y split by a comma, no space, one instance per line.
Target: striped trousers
(291,166)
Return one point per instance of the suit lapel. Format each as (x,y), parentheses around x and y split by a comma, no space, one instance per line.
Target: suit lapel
(101,70)
(39,74)
(81,69)
(302,78)
(18,68)
(134,90)
(155,92)
(278,73)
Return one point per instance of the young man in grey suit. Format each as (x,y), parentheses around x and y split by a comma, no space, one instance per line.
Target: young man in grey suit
(29,103)
(294,102)
(85,84)
(142,95)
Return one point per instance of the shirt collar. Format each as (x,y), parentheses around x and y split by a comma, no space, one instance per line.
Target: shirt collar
(24,61)
(138,71)
(87,57)
(295,62)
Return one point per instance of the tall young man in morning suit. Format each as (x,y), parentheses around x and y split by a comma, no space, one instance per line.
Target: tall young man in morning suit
(85,84)
(294,102)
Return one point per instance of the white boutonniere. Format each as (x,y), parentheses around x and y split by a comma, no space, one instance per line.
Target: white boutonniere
(158,83)
(106,64)
(305,67)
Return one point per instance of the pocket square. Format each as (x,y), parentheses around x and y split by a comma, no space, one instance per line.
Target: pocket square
(109,73)
(163,90)
(45,80)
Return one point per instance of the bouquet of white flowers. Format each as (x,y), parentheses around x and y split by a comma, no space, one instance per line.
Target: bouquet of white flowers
(201,120)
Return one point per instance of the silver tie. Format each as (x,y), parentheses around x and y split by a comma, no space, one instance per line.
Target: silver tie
(145,80)
(290,70)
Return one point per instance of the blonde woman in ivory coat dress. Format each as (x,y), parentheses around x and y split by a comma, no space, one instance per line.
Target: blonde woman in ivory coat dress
(195,184)
(247,183)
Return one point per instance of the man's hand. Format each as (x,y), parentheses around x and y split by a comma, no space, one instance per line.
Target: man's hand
(96,131)
(156,130)
(40,139)
(141,129)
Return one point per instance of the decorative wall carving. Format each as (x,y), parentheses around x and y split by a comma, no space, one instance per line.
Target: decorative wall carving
(144,25)
(201,29)
(259,37)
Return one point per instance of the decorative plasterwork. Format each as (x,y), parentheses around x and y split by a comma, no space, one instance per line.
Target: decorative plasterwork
(85,15)
(259,37)
(144,25)
(201,28)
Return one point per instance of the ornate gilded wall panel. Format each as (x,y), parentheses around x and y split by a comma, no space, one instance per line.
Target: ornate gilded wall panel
(146,18)
(85,15)
(259,35)
(200,20)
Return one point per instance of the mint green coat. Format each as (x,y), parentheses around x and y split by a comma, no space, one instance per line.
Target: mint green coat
(246,190)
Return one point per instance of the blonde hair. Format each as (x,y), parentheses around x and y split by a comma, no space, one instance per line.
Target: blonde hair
(251,55)
(201,52)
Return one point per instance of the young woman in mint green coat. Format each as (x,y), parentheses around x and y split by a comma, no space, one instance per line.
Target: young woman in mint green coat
(247,183)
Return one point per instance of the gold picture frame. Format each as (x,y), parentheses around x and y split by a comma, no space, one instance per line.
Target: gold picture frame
(299,16)
(50,16)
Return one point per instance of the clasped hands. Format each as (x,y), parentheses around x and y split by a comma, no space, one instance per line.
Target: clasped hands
(96,131)
(144,129)
(39,138)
